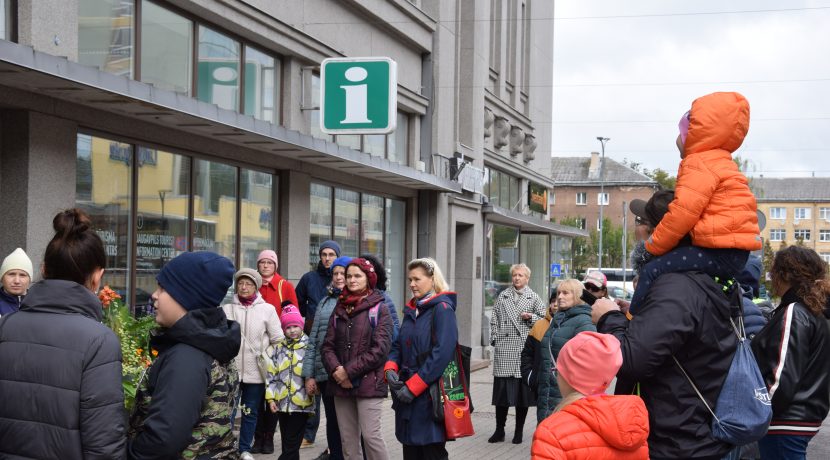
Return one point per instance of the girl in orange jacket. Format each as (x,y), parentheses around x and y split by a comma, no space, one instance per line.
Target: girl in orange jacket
(589,424)
(712,202)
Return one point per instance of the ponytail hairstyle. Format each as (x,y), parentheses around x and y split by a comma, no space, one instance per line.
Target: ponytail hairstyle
(76,251)
(806,274)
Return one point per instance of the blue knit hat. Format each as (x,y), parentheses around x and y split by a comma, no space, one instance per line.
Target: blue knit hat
(329,244)
(342,261)
(197,279)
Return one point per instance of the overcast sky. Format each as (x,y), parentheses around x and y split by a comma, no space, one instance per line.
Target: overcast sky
(629,70)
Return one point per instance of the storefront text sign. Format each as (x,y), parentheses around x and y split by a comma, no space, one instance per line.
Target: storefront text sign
(358,95)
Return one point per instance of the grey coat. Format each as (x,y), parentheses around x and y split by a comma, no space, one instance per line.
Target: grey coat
(60,377)
(508,331)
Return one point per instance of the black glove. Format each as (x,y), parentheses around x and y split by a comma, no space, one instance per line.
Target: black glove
(394,381)
(404,395)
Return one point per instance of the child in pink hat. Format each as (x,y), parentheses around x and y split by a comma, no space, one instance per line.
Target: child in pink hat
(589,423)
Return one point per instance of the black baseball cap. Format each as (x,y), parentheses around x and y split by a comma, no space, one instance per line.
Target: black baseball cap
(653,210)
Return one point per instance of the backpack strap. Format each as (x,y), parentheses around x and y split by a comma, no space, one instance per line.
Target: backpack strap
(279,291)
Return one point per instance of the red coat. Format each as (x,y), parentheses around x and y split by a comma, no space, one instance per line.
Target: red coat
(596,427)
(712,200)
(275,296)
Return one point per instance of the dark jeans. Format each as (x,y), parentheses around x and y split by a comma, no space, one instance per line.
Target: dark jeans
(313,422)
(783,447)
(292,426)
(725,263)
(332,430)
(250,397)
(435,451)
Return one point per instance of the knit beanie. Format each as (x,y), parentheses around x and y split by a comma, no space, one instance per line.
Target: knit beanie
(291,317)
(270,255)
(17,260)
(589,361)
(367,268)
(751,275)
(197,279)
(340,262)
(329,244)
(250,273)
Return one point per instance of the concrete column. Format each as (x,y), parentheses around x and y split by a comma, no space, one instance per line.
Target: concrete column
(37,179)
(294,224)
(50,26)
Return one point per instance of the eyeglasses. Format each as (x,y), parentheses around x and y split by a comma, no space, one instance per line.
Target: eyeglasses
(593,288)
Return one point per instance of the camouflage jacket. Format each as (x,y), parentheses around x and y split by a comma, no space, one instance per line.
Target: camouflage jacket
(211,437)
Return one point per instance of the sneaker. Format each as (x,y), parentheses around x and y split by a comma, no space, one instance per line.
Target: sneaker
(246,456)
(306,444)
(323,456)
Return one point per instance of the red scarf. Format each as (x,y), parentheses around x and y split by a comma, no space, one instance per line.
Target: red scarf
(246,301)
(350,300)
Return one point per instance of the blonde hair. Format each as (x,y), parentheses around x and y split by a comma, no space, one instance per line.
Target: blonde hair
(524,267)
(573,286)
(430,266)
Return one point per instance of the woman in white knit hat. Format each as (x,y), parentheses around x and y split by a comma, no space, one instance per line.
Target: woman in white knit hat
(15,275)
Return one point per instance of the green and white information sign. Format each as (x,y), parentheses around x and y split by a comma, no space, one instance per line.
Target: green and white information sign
(358,95)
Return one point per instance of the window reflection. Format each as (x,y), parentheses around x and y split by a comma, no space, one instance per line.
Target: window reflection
(102,188)
(395,251)
(166,48)
(214,208)
(261,84)
(218,71)
(534,253)
(346,221)
(372,225)
(257,215)
(321,221)
(105,35)
(503,251)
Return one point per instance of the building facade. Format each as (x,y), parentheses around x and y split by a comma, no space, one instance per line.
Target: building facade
(797,210)
(194,125)
(578,190)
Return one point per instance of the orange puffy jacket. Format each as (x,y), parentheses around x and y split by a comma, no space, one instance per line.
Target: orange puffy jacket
(595,427)
(712,199)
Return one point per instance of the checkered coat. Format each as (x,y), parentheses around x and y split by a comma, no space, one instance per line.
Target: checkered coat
(508,331)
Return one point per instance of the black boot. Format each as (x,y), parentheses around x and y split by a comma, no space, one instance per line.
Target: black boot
(501,419)
(268,443)
(521,414)
(257,447)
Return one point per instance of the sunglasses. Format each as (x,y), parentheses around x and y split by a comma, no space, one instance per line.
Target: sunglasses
(593,288)
(640,221)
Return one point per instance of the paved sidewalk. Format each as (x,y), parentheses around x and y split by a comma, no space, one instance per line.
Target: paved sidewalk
(475,447)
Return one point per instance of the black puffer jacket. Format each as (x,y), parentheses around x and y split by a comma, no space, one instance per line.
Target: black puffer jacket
(685,315)
(797,342)
(60,378)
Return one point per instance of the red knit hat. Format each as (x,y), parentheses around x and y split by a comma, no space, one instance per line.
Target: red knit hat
(589,361)
(366,267)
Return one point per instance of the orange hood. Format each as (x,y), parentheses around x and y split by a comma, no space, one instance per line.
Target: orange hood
(719,121)
(622,421)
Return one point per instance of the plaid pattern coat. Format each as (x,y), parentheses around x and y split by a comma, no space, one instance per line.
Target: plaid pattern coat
(508,331)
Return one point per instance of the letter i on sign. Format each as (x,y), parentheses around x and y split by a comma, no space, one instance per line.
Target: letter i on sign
(357,96)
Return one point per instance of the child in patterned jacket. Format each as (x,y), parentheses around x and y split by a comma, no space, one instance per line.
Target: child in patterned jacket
(286,393)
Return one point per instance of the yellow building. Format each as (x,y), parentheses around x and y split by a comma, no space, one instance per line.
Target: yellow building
(796,209)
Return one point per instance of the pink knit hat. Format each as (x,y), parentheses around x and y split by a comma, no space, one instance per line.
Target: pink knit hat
(270,255)
(589,361)
(291,317)
(683,126)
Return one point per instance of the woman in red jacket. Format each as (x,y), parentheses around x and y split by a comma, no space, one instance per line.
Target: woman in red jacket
(589,424)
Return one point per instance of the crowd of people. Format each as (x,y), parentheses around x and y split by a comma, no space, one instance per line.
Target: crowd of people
(275,355)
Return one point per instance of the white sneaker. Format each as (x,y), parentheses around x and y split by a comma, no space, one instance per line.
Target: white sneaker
(246,456)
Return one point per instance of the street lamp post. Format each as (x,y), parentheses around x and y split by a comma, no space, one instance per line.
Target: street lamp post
(602,140)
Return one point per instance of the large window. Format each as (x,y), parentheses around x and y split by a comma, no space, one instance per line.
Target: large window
(361,223)
(166,48)
(778,213)
(824,235)
(801,213)
(107,201)
(503,251)
(777,234)
(218,71)
(164,197)
(501,188)
(602,199)
(582,198)
(105,35)
(165,55)
(801,234)
(824,214)
(262,73)
(534,253)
